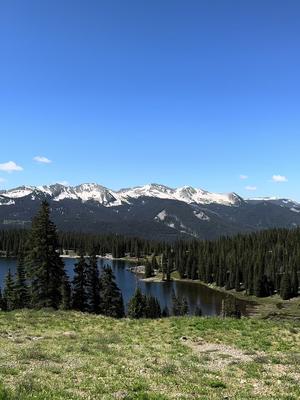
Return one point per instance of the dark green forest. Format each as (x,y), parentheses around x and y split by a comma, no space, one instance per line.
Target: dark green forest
(260,264)
(41,281)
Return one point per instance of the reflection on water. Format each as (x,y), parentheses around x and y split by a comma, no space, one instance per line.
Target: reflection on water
(207,299)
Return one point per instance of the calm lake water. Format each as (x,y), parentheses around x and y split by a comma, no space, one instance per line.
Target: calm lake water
(209,300)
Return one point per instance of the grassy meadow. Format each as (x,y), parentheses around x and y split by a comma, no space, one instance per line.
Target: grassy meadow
(68,355)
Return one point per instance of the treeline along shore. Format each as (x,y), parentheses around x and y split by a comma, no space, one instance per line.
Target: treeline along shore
(260,264)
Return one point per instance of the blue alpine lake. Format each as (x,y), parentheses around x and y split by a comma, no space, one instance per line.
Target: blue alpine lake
(197,295)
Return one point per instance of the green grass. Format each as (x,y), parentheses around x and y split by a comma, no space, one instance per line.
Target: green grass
(67,355)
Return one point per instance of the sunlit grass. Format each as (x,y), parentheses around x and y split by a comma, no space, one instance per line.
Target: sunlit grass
(69,355)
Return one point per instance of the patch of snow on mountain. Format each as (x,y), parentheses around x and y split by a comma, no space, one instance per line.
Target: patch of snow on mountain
(152,190)
(264,198)
(84,192)
(276,200)
(171,225)
(7,203)
(189,194)
(94,192)
(45,189)
(186,194)
(66,193)
(19,192)
(201,215)
(110,198)
(162,215)
(295,210)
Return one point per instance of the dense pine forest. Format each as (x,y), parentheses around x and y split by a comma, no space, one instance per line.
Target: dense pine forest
(11,241)
(41,281)
(260,264)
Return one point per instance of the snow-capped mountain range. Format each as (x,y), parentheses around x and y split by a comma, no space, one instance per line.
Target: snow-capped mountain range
(109,198)
(153,211)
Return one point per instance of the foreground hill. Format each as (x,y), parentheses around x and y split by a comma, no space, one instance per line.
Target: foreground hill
(66,355)
(152,211)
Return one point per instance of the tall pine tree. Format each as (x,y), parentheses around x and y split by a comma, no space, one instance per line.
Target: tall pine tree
(137,305)
(149,271)
(44,265)
(111,300)
(9,292)
(93,285)
(286,286)
(294,282)
(80,297)
(66,294)
(21,288)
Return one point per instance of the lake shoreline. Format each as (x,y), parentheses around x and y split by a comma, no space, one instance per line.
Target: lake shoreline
(127,259)
(252,302)
(209,301)
(272,307)
(268,307)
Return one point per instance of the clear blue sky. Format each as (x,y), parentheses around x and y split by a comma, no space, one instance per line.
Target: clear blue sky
(130,92)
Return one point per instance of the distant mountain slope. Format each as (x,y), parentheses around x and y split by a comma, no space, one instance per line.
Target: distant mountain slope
(108,198)
(152,211)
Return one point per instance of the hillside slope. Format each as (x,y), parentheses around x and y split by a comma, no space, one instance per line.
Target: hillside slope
(152,211)
(66,355)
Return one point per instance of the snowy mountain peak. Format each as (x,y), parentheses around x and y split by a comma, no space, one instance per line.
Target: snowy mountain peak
(150,190)
(234,197)
(19,192)
(95,192)
(189,194)
(89,187)
(283,203)
(106,197)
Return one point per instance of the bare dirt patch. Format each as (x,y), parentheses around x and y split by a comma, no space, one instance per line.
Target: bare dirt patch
(218,356)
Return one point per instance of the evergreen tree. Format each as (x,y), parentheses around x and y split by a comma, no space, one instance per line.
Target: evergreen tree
(154,263)
(21,289)
(184,307)
(137,305)
(198,311)
(176,304)
(230,308)
(152,307)
(111,300)
(1,301)
(149,272)
(250,283)
(164,262)
(180,264)
(141,306)
(253,262)
(45,267)
(179,306)
(66,294)
(9,292)
(165,312)
(79,296)
(258,288)
(93,285)
(137,250)
(294,282)
(286,287)
(169,267)
(237,285)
